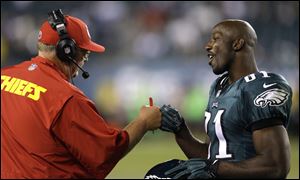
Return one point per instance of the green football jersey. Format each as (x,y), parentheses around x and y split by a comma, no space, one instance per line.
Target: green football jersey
(234,111)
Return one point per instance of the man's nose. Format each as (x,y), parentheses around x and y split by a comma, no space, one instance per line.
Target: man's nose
(208,46)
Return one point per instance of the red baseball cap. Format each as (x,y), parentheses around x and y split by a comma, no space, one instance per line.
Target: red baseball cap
(76,29)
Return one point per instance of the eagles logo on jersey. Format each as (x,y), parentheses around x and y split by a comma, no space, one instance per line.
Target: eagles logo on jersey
(271,97)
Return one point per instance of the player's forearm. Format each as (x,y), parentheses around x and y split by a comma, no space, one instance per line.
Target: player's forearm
(272,159)
(192,147)
(253,168)
(136,130)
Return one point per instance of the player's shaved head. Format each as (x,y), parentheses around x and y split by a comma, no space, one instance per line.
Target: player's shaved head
(232,46)
(236,28)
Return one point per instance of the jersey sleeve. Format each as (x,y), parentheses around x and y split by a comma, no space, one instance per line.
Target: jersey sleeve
(265,100)
(96,145)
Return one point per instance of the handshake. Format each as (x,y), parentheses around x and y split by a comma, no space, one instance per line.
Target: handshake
(171,120)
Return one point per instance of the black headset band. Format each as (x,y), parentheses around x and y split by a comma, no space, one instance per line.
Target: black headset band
(57,21)
(65,47)
(56,17)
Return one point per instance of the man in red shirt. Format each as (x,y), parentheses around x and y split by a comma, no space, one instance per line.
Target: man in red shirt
(49,128)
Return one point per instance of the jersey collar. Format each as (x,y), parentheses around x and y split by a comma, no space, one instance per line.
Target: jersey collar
(39,59)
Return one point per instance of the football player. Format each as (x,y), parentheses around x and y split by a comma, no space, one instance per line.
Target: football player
(246,116)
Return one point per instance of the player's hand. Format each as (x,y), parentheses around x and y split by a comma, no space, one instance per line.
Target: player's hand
(171,120)
(151,115)
(192,169)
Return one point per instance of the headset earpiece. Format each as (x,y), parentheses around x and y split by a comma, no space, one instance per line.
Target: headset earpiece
(66,49)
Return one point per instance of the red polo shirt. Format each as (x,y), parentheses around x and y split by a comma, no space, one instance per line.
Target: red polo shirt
(50,129)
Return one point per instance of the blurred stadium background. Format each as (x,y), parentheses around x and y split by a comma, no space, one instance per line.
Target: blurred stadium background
(156,49)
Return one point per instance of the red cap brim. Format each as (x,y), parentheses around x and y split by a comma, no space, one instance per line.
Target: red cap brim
(92,46)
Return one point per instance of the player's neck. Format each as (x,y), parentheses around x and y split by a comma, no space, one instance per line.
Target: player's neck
(242,67)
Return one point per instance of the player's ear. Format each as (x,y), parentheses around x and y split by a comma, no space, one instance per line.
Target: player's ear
(238,44)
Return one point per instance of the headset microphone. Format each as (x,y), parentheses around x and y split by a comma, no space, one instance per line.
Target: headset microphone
(84,74)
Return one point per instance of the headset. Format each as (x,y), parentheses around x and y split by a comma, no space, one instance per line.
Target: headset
(66,48)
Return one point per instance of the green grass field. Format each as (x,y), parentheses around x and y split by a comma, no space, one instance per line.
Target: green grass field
(158,147)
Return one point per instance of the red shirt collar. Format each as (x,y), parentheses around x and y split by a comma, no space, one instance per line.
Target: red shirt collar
(39,59)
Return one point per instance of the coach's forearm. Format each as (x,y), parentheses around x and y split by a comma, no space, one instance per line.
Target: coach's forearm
(192,147)
(136,130)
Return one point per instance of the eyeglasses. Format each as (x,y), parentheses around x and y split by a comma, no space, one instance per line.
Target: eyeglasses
(85,54)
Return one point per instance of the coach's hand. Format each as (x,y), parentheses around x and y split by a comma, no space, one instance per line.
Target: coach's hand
(194,168)
(171,120)
(151,116)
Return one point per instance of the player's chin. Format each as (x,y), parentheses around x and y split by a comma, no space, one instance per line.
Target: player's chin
(217,71)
